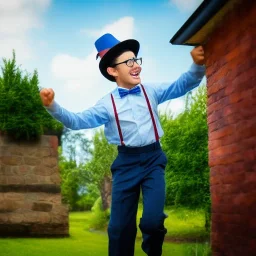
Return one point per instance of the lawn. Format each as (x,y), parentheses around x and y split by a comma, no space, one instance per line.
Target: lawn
(82,242)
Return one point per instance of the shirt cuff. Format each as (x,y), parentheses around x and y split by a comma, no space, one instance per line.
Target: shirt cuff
(53,108)
(197,68)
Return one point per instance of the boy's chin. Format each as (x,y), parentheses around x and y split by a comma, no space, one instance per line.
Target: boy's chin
(136,81)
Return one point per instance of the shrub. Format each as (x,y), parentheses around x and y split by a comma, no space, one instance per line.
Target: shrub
(100,218)
(21,112)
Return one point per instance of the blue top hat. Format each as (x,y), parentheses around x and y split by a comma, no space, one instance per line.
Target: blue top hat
(109,48)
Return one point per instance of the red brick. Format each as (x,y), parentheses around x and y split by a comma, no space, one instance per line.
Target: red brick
(225,150)
(214,144)
(252,246)
(217,105)
(254,93)
(244,199)
(215,189)
(214,180)
(225,208)
(248,187)
(216,97)
(228,140)
(239,96)
(250,176)
(241,82)
(227,130)
(219,74)
(218,124)
(248,111)
(217,86)
(233,54)
(216,115)
(230,169)
(250,154)
(245,129)
(233,178)
(230,189)
(249,166)
(225,160)
(234,118)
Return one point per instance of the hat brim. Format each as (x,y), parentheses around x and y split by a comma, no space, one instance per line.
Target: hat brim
(105,62)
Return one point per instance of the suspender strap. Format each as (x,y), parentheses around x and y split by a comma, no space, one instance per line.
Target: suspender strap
(151,113)
(117,121)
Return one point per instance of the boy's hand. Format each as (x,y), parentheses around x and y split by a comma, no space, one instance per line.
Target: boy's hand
(197,55)
(47,96)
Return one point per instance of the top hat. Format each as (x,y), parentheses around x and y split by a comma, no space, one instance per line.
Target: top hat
(109,48)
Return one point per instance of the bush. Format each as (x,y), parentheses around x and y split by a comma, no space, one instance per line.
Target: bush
(100,218)
(186,146)
(21,112)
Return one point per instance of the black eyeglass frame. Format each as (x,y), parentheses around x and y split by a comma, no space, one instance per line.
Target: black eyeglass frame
(126,61)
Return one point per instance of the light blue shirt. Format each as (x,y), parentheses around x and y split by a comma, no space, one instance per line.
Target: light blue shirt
(134,117)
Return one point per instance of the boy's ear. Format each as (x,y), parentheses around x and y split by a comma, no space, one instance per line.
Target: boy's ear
(112,71)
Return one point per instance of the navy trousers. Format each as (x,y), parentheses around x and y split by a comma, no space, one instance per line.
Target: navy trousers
(133,170)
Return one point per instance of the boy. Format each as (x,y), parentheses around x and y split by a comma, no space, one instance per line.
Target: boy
(131,121)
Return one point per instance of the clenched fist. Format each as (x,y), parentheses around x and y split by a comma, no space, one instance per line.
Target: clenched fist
(197,55)
(47,96)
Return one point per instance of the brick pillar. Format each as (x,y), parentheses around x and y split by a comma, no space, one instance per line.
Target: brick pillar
(30,199)
(231,81)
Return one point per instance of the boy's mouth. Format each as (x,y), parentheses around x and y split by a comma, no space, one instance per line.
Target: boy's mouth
(135,73)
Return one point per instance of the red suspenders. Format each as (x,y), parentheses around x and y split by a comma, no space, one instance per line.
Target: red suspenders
(117,121)
(150,111)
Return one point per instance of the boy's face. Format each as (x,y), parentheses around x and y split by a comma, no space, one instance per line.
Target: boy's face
(127,74)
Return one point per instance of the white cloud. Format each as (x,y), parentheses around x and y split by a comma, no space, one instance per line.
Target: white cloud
(186,5)
(122,29)
(80,77)
(17,18)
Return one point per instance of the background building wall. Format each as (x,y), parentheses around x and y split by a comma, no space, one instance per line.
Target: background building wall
(231,81)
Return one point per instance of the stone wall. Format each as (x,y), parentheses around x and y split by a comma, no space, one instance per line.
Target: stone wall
(231,81)
(30,199)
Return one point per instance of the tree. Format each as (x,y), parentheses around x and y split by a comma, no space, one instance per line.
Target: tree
(103,155)
(75,185)
(21,112)
(76,146)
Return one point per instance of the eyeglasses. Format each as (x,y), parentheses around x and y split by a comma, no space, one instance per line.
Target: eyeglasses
(130,62)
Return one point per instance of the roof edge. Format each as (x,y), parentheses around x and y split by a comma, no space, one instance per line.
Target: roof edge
(197,20)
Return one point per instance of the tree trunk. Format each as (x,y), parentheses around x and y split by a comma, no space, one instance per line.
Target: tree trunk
(105,192)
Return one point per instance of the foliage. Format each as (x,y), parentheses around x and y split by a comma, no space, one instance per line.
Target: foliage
(103,155)
(186,145)
(99,166)
(76,146)
(88,198)
(21,112)
(76,189)
(100,218)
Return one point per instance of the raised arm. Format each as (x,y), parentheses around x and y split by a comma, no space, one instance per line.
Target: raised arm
(90,118)
(187,81)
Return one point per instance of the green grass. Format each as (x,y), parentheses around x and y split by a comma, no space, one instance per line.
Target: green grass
(82,242)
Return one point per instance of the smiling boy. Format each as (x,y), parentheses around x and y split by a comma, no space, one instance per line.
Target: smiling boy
(129,114)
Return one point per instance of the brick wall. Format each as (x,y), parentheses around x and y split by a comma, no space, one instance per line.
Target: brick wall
(231,81)
(30,199)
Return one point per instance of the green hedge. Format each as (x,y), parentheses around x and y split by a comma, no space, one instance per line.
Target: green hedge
(186,145)
(22,115)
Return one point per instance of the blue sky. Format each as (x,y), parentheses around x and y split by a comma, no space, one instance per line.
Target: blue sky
(57,37)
